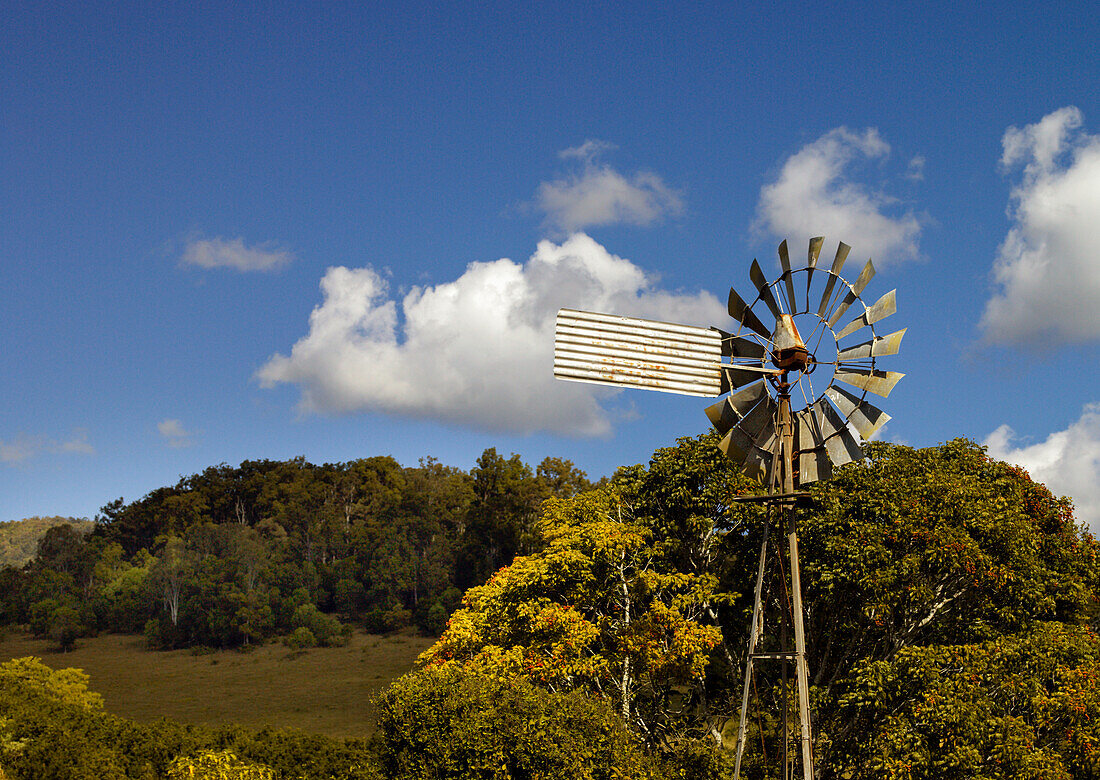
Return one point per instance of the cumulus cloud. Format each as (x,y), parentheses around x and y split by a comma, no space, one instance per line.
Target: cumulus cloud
(174,434)
(224,253)
(1046,275)
(813,196)
(24,447)
(596,194)
(1068,462)
(476,351)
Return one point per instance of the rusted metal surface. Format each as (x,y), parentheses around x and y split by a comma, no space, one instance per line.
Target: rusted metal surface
(625,351)
(789,350)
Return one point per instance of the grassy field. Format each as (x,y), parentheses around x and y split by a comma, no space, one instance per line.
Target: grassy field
(323,690)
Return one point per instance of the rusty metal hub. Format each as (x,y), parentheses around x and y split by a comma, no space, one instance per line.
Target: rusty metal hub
(790,352)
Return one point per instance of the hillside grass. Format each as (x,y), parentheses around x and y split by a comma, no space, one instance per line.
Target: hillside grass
(321,690)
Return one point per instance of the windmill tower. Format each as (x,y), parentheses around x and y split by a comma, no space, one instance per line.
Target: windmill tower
(785,420)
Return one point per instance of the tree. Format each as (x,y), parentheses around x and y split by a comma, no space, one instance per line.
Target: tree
(594,610)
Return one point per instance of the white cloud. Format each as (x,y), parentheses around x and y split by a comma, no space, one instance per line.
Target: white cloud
(477,351)
(1068,462)
(175,435)
(599,195)
(223,253)
(813,196)
(1046,275)
(24,447)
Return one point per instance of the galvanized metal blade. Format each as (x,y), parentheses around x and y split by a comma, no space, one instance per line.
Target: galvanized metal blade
(743,314)
(839,441)
(740,347)
(863,416)
(813,459)
(877,382)
(876,347)
(842,251)
(811,263)
(765,290)
(729,411)
(738,376)
(788,277)
(882,308)
(759,427)
(738,443)
(857,288)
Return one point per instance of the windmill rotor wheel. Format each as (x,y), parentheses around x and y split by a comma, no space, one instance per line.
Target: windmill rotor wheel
(788,345)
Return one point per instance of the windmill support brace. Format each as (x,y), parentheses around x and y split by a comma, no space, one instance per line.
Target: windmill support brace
(785,428)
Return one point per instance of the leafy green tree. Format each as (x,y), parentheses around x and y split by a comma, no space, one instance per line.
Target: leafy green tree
(216,765)
(593,610)
(449,723)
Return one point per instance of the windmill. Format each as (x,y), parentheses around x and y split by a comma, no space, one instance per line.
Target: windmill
(785,419)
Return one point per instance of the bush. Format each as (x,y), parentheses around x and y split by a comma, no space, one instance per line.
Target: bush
(300,639)
(326,629)
(444,722)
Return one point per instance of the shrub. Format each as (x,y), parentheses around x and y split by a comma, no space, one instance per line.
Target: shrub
(300,639)
(445,722)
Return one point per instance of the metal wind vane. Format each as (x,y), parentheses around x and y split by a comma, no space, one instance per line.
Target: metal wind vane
(784,420)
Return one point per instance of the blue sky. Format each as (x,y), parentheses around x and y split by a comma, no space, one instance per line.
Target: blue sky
(234,232)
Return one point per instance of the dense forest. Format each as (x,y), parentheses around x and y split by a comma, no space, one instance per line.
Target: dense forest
(234,556)
(590,630)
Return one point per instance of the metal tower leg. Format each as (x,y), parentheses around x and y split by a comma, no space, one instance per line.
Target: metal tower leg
(754,633)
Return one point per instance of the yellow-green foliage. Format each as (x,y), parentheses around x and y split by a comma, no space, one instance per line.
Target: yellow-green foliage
(450,723)
(217,765)
(19,538)
(593,610)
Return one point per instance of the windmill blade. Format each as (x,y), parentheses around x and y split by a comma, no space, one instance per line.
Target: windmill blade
(839,441)
(729,411)
(876,347)
(864,277)
(877,382)
(764,289)
(758,425)
(842,251)
(864,417)
(813,460)
(811,263)
(736,376)
(788,277)
(606,349)
(882,308)
(740,347)
(743,314)
(758,466)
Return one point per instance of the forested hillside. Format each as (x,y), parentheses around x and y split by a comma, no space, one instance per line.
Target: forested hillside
(951,608)
(19,538)
(235,555)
